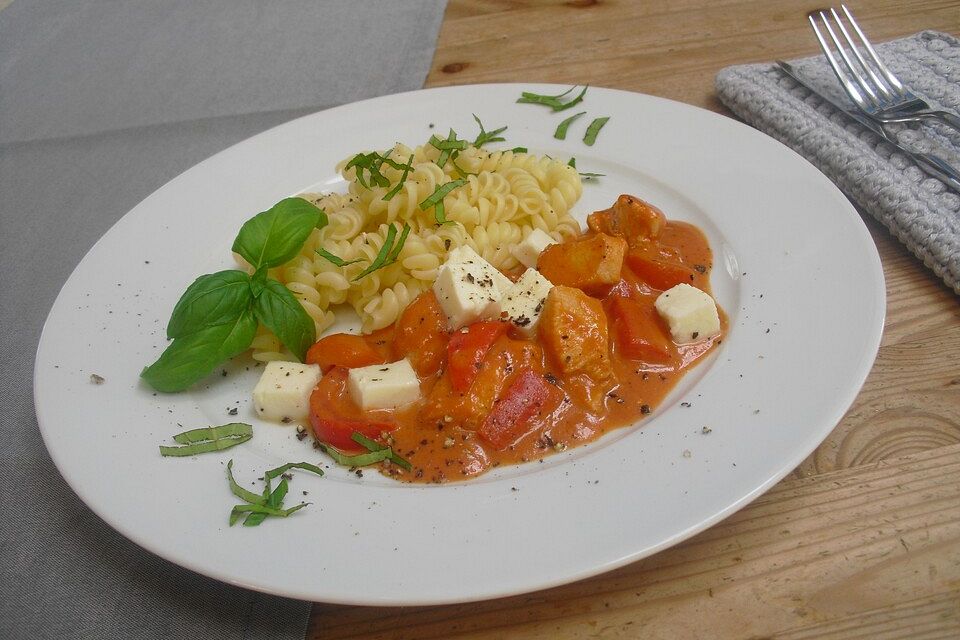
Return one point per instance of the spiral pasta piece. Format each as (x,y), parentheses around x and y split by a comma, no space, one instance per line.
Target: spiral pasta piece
(503,197)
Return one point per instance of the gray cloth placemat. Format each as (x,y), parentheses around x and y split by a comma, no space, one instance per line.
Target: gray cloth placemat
(101,103)
(918,209)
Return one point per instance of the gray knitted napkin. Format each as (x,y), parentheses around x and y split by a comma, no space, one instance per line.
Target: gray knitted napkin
(101,103)
(918,209)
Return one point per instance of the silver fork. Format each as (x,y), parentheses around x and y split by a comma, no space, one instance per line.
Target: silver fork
(870,84)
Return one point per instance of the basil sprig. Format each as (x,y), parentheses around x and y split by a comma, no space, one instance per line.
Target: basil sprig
(216,317)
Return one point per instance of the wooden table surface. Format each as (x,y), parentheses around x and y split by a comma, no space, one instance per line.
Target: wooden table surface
(862,540)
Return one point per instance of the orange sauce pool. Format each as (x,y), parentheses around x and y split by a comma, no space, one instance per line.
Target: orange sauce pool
(439,435)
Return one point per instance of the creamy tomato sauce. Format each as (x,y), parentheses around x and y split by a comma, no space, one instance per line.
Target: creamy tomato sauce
(444,436)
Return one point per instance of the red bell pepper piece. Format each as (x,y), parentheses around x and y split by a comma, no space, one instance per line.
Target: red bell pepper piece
(335,417)
(467,349)
(510,417)
(343,350)
(640,333)
(421,335)
(657,273)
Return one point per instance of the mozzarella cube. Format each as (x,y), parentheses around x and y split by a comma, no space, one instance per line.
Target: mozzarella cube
(283,392)
(383,386)
(530,248)
(523,301)
(690,313)
(468,287)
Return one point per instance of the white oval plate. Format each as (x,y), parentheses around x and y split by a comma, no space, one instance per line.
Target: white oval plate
(795,270)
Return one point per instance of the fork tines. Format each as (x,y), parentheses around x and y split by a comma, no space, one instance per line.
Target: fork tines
(866,78)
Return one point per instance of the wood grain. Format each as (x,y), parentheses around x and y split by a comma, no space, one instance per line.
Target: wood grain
(863,539)
(812,557)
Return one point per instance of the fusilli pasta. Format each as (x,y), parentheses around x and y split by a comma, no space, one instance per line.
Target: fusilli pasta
(505,196)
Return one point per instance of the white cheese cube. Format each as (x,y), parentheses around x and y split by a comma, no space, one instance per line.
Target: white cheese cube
(530,248)
(468,287)
(690,313)
(383,386)
(523,301)
(283,391)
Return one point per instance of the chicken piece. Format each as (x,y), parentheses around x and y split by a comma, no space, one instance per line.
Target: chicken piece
(591,264)
(468,409)
(629,218)
(574,333)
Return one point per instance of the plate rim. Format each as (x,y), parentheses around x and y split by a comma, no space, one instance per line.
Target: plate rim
(872,345)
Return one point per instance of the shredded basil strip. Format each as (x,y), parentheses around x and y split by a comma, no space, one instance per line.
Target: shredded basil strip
(359,460)
(561,132)
(218,443)
(553,102)
(452,143)
(519,150)
(373,445)
(435,200)
(398,246)
(237,512)
(487,136)
(572,162)
(591,136)
(388,252)
(371,163)
(213,433)
(403,178)
(306,466)
(340,262)
(274,500)
(460,169)
(528,97)
(239,491)
(271,502)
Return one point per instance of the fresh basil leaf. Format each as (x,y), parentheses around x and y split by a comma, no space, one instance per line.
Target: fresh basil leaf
(519,150)
(257,282)
(283,314)
(591,136)
(561,132)
(212,299)
(191,357)
(276,235)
